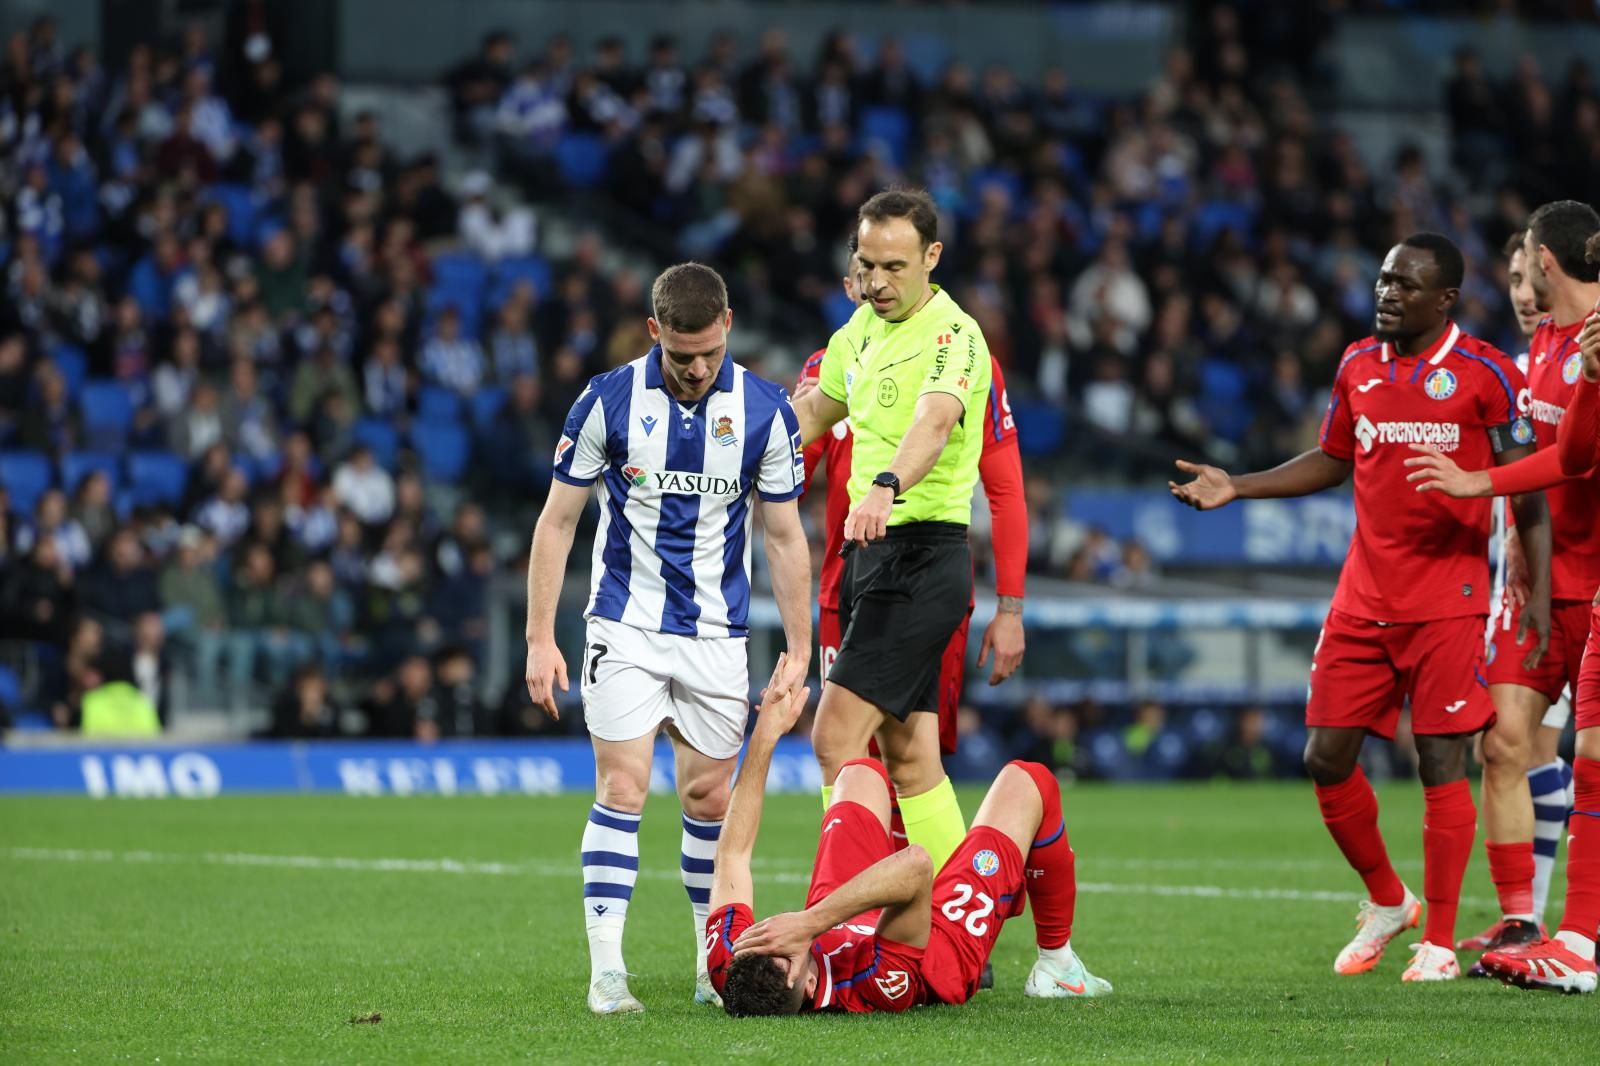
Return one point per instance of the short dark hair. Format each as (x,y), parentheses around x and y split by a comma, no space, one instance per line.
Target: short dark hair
(1592,251)
(756,988)
(1513,243)
(1449,266)
(900,201)
(688,297)
(1564,227)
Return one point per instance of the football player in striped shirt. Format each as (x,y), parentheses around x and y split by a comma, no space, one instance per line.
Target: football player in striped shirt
(680,446)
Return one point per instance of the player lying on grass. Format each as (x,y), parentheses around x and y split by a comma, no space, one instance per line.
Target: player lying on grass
(882,931)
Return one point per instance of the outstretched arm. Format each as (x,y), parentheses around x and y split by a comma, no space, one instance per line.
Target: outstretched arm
(1303,475)
(780,707)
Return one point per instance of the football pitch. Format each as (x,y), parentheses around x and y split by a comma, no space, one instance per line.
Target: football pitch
(333,929)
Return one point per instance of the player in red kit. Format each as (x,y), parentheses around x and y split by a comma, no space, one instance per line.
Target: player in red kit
(882,930)
(1408,617)
(1566,287)
(1566,961)
(1000,470)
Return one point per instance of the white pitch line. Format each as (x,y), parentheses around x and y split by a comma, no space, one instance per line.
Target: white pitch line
(471,867)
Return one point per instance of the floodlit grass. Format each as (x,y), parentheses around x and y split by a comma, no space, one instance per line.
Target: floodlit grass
(255,929)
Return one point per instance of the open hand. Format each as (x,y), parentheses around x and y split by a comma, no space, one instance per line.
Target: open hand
(1210,489)
(1434,471)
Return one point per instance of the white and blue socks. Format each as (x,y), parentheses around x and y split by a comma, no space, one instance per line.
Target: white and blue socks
(699,850)
(610,857)
(1551,785)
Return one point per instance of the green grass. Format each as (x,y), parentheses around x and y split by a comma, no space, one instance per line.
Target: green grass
(158,946)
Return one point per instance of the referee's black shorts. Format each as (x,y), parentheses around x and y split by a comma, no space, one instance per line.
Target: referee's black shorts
(899,601)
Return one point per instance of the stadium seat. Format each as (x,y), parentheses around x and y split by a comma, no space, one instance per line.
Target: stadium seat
(107,409)
(534,268)
(445,448)
(379,435)
(10,689)
(157,478)
(1223,394)
(243,215)
(73,364)
(889,126)
(582,159)
(459,271)
(1041,427)
(75,466)
(25,475)
(437,404)
(486,405)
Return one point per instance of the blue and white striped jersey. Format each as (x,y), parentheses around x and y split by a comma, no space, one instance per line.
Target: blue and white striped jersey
(672,553)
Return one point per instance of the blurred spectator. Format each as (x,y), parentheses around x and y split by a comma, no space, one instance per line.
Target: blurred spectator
(194,611)
(364,487)
(259,637)
(450,359)
(123,586)
(38,595)
(305,710)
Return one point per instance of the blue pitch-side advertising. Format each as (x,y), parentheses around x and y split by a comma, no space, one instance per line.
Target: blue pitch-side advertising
(372,768)
(1311,531)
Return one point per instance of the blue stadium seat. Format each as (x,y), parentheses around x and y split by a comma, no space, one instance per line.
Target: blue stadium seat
(890,126)
(25,475)
(582,159)
(73,364)
(243,215)
(379,435)
(1224,391)
(1041,427)
(462,271)
(157,478)
(75,466)
(107,409)
(10,689)
(534,268)
(436,404)
(444,448)
(487,403)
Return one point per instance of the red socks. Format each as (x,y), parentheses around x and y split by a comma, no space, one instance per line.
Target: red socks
(1049,865)
(1582,914)
(1350,811)
(897,826)
(1449,822)
(1511,870)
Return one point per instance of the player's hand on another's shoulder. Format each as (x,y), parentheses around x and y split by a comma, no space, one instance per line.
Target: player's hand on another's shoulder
(1589,345)
(1210,489)
(546,668)
(1434,471)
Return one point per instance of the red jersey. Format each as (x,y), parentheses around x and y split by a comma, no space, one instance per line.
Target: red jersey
(1555,367)
(1000,459)
(847,957)
(1417,557)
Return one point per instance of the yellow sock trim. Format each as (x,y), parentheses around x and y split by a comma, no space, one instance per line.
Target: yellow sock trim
(934,820)
(827,796)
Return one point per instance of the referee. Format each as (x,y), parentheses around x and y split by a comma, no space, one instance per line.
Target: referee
(911,371)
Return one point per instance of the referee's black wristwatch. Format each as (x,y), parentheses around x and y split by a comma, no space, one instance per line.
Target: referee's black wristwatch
(887,480)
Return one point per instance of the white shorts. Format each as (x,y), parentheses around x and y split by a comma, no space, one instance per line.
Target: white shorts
(1559,712)
(634,680)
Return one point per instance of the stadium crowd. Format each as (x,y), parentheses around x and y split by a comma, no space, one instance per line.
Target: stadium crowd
(268,390)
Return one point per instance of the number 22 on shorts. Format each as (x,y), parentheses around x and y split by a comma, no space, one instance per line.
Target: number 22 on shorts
(955,908)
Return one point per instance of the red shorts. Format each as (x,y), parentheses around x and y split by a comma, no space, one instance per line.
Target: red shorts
(852,839)
(975,891)
(1362,672)
(1569,632)
(952,672)
(1586,696)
